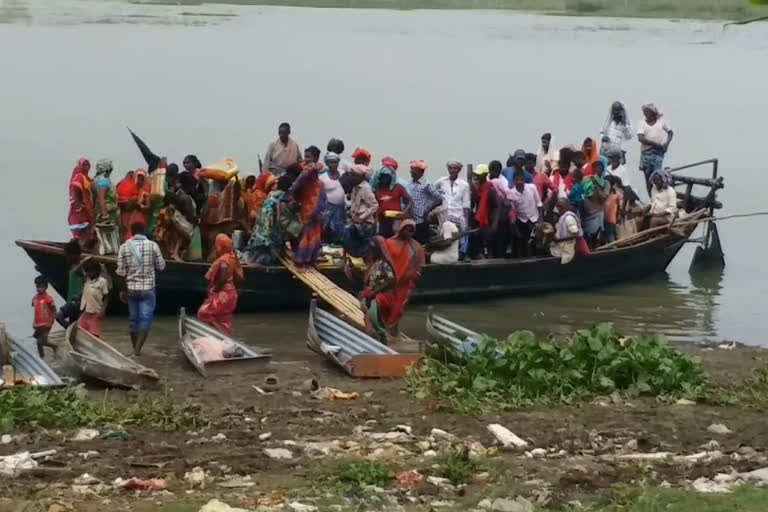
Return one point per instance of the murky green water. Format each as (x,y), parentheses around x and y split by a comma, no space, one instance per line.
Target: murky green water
(216,80)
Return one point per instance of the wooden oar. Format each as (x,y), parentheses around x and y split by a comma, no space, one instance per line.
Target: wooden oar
(644,233)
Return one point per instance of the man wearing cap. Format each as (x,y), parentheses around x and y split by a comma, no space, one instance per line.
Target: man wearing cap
(425,197)
(362,209)
(487,215)
(516,162)
(456,197)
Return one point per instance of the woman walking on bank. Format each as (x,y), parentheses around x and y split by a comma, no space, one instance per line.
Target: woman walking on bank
(225,272)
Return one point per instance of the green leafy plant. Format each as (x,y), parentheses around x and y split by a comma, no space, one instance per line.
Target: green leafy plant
(456,466)
(524,370)
(362,472)
(27,406)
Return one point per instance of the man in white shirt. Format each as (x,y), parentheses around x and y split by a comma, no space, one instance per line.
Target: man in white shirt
(567,231)
(456,197)
(530,211)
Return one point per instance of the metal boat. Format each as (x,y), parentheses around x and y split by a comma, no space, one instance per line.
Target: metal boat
(451,335)
(191,328)
(354,351)
(30,369)
(94,358)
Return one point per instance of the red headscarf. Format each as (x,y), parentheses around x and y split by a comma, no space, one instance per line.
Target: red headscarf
(224,254)
(80,182)
(388,161)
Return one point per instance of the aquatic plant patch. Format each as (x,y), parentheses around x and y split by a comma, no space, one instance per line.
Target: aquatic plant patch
(525,370)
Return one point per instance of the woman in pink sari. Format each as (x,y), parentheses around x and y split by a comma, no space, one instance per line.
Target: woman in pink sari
(218,308)
(81,215)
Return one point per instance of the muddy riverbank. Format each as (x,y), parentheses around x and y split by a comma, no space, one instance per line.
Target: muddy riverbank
(574,451)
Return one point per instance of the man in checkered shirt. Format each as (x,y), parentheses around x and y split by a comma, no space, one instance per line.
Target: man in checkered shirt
(137,261)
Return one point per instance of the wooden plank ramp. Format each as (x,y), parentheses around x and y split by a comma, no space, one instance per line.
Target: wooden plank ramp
(346,304)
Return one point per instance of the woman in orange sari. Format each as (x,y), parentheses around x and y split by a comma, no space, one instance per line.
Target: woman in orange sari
(133,200)
(218,308)
(255,192)
(386,303)
(81,215)
(591,153)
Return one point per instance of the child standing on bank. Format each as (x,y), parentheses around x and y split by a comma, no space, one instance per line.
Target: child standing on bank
(45,313)
(93,304)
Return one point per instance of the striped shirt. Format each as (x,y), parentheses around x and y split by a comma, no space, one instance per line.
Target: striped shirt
(137,261)
(425,197)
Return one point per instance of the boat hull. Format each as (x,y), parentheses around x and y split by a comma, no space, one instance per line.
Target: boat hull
(190,328)
(182,284)
(95,359)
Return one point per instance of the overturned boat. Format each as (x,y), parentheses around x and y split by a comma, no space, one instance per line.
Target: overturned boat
(26,367)
(182,284)
(229,357)
(351,349)
(96,359)
(451,335)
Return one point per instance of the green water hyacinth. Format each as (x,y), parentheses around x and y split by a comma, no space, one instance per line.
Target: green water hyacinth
(524,370)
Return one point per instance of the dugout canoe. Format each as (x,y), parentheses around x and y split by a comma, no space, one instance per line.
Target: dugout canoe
(96,359)
(191,328)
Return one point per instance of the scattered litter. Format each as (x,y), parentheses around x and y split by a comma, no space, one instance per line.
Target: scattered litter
(430,453)
(296,394)
(86,479)
(442,435)
(219,438)
(407,429)
(271,383)
(536,453)
(439,482)
(116,435)
(278,453)
(6,439)
(237,483)
(151,484)
(685,401)
(517,505)
(12,465)
(706,485)
(410,478)
(321,449)
(88,455)
(219,506)
(392,437)
(265,436)
(310,385)
(300,507)
(273,499)
(506,437)
(259,390)
(758,475)
(441,504)
(86,434)
(639,456)
(481,478)
(58,508)
(333,394)
(197,477)
(718,428)
(485,504)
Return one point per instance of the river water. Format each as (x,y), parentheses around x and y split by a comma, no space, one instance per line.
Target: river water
(436,85)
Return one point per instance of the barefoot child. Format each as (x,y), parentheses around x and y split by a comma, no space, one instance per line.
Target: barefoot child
(95,297)
(45,313)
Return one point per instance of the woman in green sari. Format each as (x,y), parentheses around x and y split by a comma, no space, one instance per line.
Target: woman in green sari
(105,196)
(268,236)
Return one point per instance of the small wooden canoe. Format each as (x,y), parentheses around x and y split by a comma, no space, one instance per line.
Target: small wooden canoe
(252,360)
(354,351)
(451,335)
(96,359)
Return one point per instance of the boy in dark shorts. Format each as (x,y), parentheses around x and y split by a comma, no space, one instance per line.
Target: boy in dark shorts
(45,313)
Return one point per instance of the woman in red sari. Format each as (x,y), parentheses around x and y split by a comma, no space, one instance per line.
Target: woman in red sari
(133,200)
(309,191)
(386,303)
(81,215)
(218,308)
(255,193)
